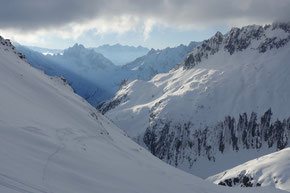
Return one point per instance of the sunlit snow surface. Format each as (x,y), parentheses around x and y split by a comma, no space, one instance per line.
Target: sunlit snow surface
(52,141)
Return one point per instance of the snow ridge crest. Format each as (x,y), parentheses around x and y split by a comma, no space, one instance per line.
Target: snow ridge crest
(7,46)
(260,38)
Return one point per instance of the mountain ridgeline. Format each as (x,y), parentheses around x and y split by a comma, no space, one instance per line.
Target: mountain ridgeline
(239,39)
(121,54)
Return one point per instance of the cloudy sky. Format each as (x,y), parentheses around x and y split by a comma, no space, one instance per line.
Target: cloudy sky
(151,23)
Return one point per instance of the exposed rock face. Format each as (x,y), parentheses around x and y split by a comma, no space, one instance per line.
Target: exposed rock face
(239,39)
(104,107)
(270,170)
(242,180)
(176,144)
(208,47)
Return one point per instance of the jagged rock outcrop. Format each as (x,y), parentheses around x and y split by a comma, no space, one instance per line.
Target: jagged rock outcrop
(270,170)
(7,44)
(239,39)
(208,47)
(104,107)
(241,180)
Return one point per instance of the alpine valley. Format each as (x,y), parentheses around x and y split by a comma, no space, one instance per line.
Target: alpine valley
(124,96)
(95,77)
(218,110)
(53,141)
(225,104)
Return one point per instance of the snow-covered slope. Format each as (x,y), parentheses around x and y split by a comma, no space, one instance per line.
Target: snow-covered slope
(221,103)
(269,170)
(52,141)
(120,54)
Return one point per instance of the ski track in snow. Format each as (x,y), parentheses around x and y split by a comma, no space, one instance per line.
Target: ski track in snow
(60,135)
(45,169)
(17,185)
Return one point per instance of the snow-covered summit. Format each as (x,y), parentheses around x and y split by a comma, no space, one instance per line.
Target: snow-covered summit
(230,96)
(76,48)
(84,57)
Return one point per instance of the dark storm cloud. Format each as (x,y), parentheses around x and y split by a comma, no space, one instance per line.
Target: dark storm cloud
(38,14)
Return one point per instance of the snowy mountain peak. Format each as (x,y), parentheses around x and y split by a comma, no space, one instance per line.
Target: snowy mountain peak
(218,34)
(152,51)
(86,57)
(78,46)
(77,49)
(254,37)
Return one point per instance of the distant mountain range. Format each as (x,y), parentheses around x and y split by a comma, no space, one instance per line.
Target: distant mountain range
(95,77)
(45,51)
(120,54)
(157,61)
